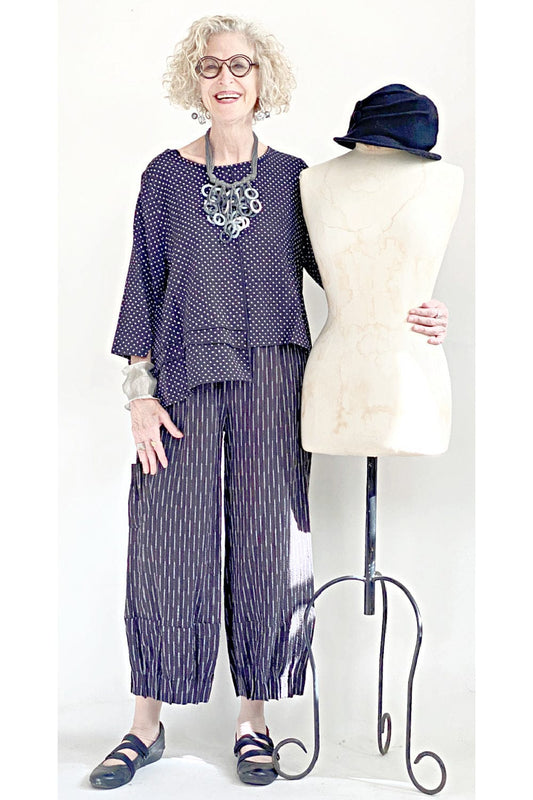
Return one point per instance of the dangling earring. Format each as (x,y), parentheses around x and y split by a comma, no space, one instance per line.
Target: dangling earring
(261,114)
(202,116)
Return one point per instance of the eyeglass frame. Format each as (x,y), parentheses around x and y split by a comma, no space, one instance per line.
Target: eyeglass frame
(221,62)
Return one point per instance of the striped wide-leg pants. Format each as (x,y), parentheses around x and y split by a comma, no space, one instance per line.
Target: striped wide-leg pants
(175,576)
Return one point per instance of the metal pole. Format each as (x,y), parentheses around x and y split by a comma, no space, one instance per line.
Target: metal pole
(370,534)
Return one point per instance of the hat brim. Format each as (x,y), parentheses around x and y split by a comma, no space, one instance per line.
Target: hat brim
(383,141)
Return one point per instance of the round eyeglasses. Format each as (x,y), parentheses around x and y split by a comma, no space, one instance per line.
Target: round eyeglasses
(239,66)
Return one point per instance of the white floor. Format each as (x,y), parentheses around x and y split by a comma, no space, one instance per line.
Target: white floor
(199,762)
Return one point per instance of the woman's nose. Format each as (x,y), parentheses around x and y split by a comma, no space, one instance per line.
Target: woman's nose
(222,75)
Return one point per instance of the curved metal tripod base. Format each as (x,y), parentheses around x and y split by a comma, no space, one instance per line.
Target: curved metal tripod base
(429,753)
(439,761)
(275,756)
(384,720)
(275,760)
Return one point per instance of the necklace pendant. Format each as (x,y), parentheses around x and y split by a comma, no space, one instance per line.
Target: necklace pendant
(230,205)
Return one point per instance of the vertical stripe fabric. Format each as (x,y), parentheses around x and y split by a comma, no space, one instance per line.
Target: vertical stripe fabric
(175,575)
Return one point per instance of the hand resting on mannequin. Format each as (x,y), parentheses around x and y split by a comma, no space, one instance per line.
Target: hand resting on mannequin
(427,323)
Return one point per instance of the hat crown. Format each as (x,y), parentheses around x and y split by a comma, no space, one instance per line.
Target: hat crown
(394,116)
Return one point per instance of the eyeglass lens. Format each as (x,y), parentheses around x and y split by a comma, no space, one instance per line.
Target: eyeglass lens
(239,66)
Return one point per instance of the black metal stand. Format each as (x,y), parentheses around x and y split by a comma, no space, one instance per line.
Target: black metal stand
(384,724)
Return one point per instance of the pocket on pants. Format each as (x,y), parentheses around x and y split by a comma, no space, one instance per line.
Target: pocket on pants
(137,500)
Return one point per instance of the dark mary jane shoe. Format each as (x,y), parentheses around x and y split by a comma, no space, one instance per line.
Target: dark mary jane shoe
(255,772)
(113,775)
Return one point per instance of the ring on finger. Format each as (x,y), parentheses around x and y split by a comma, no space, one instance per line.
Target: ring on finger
(154,443)
(140,446)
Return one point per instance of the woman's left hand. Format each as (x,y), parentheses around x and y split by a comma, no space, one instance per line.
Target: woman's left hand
(431,319)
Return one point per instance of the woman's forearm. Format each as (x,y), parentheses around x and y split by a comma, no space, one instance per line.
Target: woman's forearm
(134,359)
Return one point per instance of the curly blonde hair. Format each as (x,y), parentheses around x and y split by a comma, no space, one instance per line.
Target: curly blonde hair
(276,79)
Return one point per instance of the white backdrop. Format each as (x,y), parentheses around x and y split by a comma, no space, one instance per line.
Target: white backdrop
(113,120)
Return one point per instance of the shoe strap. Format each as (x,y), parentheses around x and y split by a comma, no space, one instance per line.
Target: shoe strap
(138,745)
(264,736)
(266,749)
(249,754)
(132,743)
(122,757)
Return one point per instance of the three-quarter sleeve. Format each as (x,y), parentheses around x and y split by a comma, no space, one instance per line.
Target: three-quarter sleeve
(307,257)
(309,261)
(146,277)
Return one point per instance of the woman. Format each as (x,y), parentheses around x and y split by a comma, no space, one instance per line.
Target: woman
(213,297)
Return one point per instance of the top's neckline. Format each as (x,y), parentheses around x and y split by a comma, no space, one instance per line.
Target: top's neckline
(221,166)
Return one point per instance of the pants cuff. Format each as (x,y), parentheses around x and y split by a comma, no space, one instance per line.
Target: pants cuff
(175,664)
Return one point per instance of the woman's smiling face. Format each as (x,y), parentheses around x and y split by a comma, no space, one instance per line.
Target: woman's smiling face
(227,98)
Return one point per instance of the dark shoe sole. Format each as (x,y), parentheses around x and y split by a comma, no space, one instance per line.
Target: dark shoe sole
(254,778)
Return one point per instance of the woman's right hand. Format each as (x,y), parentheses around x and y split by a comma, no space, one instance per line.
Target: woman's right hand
(147,416)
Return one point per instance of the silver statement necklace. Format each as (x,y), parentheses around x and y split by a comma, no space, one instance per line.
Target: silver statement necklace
(230,205)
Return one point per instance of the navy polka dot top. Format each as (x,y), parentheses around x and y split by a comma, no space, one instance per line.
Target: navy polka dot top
(199,302)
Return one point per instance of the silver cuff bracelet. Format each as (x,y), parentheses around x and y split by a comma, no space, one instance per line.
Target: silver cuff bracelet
(139,384)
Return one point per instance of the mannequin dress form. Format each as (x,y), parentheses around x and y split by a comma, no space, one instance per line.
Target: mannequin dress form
(379,220)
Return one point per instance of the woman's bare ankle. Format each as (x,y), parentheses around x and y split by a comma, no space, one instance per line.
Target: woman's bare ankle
(147,733)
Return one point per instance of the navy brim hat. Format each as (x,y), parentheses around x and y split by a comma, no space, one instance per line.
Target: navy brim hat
(394,116)
(384,141)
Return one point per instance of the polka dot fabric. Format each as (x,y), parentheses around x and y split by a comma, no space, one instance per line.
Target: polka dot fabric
(199,302)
